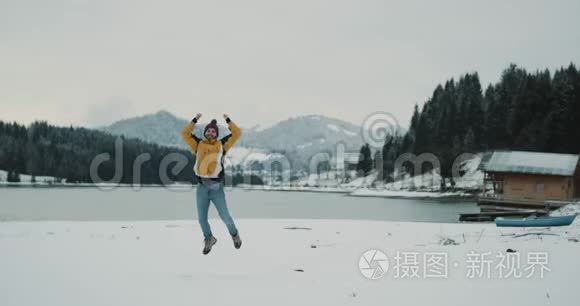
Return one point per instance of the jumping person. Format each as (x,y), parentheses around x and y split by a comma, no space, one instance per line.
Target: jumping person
(209,169)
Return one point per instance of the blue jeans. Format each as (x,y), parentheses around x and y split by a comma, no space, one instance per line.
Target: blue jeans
(214,193)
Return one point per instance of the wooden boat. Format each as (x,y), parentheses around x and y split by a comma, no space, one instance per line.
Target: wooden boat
(489,216)
(535,221)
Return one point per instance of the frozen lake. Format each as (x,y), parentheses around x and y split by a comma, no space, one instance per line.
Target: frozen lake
(156,203)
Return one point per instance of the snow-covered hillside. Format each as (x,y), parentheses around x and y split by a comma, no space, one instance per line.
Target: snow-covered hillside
(162,128)
(472,178)
(305,131)
(426,185)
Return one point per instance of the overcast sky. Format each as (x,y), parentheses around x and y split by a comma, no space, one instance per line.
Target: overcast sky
(87,62)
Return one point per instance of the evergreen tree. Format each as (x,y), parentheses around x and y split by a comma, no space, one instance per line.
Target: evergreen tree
(523,111)
(67,153)
(365,163)
(13,176)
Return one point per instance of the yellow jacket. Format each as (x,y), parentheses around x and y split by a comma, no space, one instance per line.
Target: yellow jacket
(210,153)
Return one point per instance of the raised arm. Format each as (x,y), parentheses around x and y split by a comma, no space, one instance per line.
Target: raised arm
(188,138)
(229,140)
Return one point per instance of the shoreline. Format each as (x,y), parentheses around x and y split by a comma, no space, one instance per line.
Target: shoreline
(350,192)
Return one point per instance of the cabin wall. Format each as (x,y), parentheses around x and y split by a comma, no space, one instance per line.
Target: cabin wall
(538,187)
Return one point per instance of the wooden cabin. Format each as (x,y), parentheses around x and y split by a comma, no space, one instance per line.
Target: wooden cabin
(518,179)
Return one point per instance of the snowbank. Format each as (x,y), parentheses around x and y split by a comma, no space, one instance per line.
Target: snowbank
(291,188)
(282,262)
(328,179)
(365,192)
(427,185)
(362,182)
(430,181)
(472,177)
(567,210)
(26,179)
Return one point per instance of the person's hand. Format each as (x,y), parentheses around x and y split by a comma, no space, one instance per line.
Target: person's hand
(197,116)
(226,116)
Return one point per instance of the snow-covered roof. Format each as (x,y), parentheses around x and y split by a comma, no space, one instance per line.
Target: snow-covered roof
(531,163)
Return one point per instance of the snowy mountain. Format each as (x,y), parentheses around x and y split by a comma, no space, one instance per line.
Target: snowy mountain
(297,138)
(162,128)
(300,138)
(305,132)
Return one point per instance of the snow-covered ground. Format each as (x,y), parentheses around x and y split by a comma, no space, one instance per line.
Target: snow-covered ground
(367,192)
(325,179)
(567,210)
(362,182)
(282,262)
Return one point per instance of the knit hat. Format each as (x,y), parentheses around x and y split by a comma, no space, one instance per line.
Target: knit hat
(212,125)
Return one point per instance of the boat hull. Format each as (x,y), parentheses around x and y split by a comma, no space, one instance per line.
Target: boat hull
(538,221)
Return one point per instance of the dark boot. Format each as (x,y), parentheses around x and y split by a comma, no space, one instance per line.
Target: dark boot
(208,243)
(237,241)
